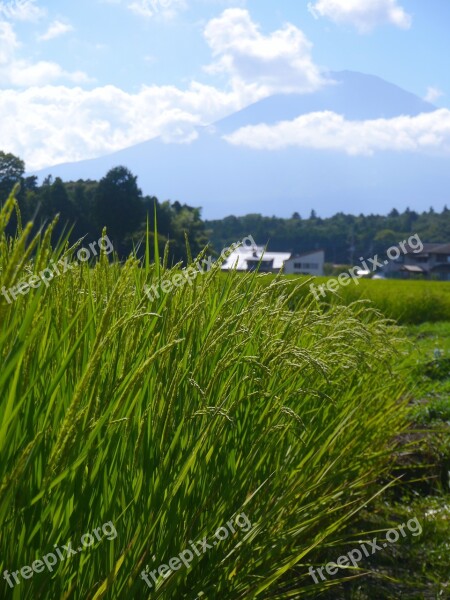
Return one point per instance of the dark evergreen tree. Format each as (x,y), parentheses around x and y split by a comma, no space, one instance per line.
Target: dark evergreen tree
(118,204)
(12,170)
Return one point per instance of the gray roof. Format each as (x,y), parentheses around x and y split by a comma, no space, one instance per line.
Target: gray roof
(429,248)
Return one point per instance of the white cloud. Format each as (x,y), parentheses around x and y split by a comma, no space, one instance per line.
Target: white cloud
(8,43)
(21,10)
(53,124)
(365,15)
(55,29)
(165,9)
(274,63)
(21,72)
(330,131)
(433,94)
(49,124)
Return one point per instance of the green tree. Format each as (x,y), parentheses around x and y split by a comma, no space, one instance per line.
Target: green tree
(12,170)
(48,201)
(118,204)
(386,238)
(58,201)
(187,220)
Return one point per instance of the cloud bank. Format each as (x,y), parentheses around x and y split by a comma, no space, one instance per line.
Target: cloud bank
(280,62)
(48,124)
(329,131)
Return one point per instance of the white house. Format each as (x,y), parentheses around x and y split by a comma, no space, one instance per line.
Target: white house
(309,263)
(248,259)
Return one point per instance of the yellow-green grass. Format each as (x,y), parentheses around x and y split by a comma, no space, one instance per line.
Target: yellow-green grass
(168,417)
(409,302)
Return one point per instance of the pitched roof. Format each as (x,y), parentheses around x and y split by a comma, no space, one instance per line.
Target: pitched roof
(240,256)
(429,248)
(303,254)
(412,269)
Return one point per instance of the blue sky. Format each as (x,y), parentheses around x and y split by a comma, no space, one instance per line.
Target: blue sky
(82,79)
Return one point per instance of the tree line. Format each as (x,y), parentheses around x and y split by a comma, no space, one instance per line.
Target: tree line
(345,238)
(117,202)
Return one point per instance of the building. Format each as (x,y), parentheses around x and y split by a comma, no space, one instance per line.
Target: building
(432,262)
(309,263)
(248,259)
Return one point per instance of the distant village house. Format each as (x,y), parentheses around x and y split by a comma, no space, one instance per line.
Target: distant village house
(250,259)
(433,262)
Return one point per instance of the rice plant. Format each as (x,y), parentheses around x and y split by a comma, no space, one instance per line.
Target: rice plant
(169,417)
(409,302)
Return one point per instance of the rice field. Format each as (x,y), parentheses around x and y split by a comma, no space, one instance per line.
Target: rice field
(408,302)
(142,426)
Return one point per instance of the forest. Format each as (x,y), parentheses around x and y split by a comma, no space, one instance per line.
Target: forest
(117,203)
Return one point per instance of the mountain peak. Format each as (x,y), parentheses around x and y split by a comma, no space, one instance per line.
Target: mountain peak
(356,96)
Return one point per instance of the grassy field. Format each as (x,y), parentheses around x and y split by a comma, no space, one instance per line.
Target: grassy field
(134,428)
(409,302)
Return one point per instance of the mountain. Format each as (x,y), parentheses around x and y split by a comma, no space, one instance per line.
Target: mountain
(354,95)
(225,179)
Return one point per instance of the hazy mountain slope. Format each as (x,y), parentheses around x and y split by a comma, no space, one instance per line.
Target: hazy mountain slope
(354,95)
(226,179)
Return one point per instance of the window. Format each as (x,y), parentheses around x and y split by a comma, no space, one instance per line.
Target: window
(265,266)
(306,265)
(310,266)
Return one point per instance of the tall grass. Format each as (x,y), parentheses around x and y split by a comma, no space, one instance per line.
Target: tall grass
(170,416)
(408,302)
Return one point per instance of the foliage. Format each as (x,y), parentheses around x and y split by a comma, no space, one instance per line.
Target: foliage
(343,237)
(12,170)
(116,201)
(170,416)
(118,204)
